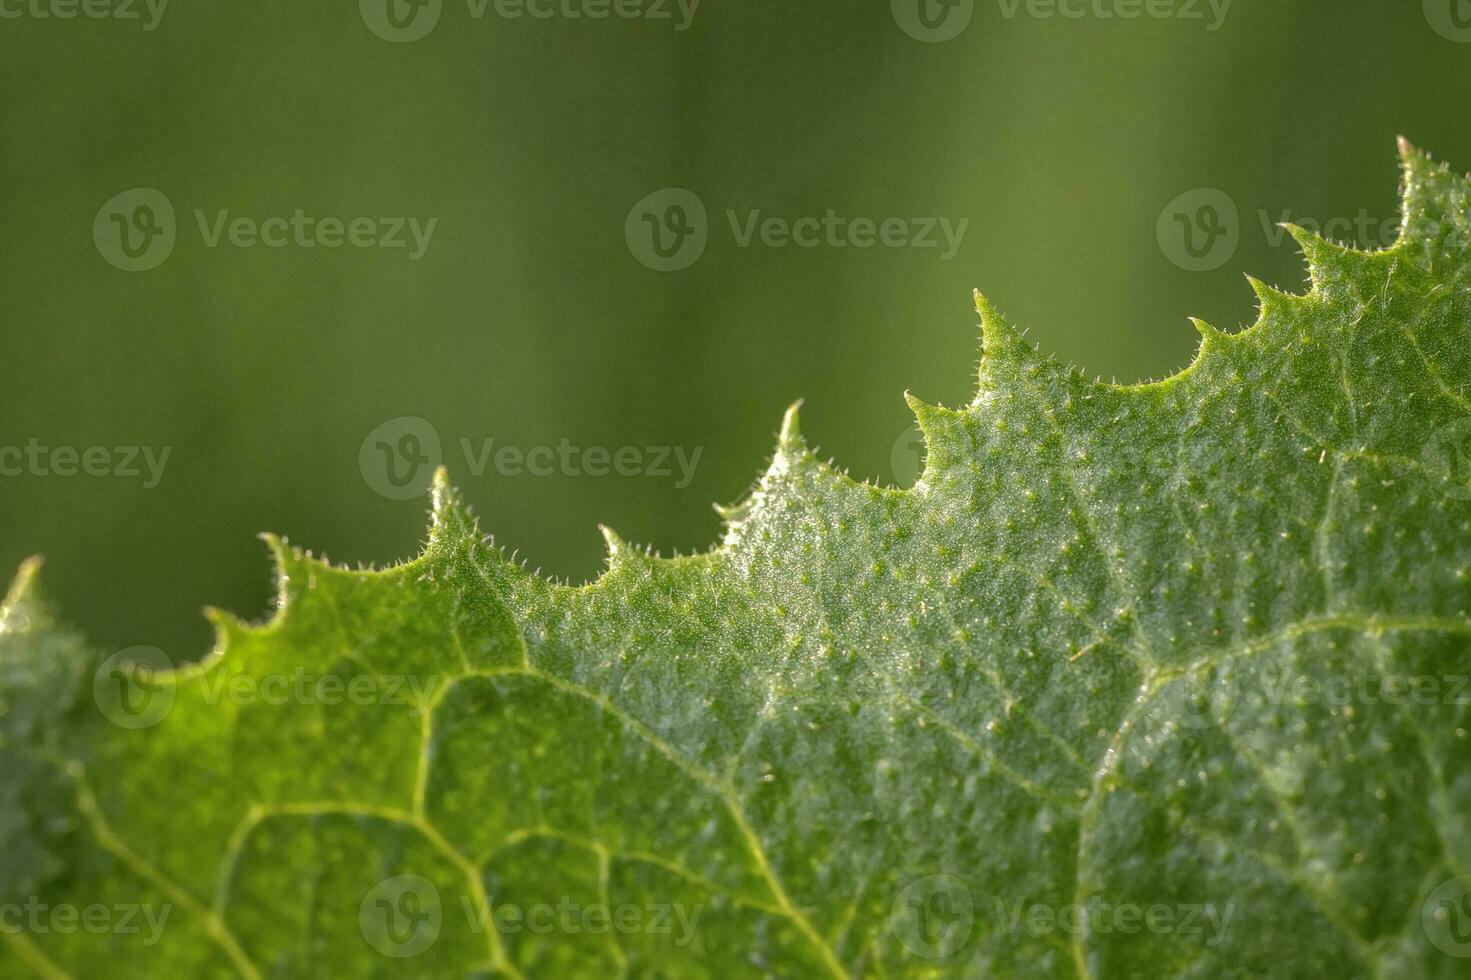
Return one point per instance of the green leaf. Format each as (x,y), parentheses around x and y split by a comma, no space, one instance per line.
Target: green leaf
(1160,680)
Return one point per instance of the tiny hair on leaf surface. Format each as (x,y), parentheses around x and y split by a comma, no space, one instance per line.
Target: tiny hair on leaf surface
(1136,681)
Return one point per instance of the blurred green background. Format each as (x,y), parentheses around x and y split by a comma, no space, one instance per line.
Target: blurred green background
(530,320)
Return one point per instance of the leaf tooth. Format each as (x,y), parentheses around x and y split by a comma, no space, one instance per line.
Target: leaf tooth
(26,586)
(733,513)
(1435,205)
(617,547)
(942,430)
(791,453)
(1328,261)
(620,552)
(451,521)
(1211,340)
(1008,359)
(922,409)
(999,339)
(1006,355)
(1208,333)
(790,442)
(794,455)
(228,629)
(279,547)
(1270,300)
(292,570)
(24,607)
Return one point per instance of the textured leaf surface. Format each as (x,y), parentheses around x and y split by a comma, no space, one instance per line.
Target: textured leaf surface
(1090,661)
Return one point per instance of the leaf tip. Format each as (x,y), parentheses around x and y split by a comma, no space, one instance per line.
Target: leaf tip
(280,550)
(620,551)
(227,627)
(927,415)
(1269,299)
(1208,333)
(285,562)
(1434,217)
(615,543)
(998,336)
(23,606)
(25,587)
(732,513)
(1327,260)
(450,519)
(790,439)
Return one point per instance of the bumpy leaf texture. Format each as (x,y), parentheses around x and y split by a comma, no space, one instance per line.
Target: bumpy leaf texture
(1159,680)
